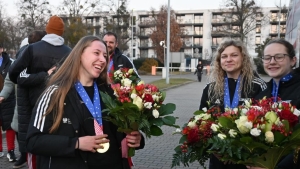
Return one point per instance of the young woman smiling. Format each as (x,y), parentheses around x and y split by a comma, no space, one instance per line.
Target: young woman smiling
(233,81)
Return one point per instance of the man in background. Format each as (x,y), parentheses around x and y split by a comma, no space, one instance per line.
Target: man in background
(117,59)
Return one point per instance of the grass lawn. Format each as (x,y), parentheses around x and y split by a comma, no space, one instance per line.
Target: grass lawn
(161,84)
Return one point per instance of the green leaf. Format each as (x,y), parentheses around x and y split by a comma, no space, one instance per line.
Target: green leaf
(286,125)
(183,139)
(169,120)
(155,130)
(169,108)
(198,112)
(157,121)
(278,137)
(134,126)
(227,123)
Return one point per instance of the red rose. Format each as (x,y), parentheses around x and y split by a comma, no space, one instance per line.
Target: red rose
(289,116)
(148,98)
(193,136)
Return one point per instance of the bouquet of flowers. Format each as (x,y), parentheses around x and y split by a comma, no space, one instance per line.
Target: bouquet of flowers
(257,134)
(194,142)
(137,106)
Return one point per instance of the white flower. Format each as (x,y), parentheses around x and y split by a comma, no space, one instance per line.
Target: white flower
(133,95)
(222,136)
(235,110)
(155,113)
(148,105)
(130,71)
(204,109)
(178,130)
(249,124)
(138,102)
(155,97)
(241,124)
(244,111)
(197,117)
(296,112)
(274,105)
(232,133)
(191,124)
(126,82)
(269,136)
(247,103)
(214,127)
(255,132)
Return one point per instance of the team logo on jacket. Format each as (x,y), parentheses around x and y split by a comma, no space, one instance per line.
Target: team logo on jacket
(120,65)
(66,120)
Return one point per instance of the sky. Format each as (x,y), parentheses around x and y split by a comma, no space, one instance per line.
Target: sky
(147,4)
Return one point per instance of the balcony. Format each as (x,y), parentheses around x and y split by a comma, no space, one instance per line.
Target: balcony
(143,35)
(190,22)
(146,23)
(146,46)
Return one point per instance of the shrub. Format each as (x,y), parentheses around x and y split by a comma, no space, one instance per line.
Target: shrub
(147,65)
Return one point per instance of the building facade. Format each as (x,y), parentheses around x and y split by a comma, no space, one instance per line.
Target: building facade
(202,31)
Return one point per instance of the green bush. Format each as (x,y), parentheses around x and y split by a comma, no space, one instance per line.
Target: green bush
(138,62)
(259,66)
(147,65)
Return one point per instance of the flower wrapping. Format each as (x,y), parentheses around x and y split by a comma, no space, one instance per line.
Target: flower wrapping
(137,106)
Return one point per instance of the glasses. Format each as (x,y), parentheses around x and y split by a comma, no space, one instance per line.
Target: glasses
(278,57)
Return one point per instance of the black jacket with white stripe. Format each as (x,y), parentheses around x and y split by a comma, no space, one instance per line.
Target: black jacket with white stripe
(57,150)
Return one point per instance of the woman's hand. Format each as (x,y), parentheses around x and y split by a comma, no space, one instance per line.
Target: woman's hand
(91,143)
(134,139)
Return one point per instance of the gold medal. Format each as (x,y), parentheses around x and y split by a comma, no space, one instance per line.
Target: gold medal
(105,147)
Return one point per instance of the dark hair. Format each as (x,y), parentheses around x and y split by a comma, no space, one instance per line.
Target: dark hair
(289,47)
(111,34)
(36,36)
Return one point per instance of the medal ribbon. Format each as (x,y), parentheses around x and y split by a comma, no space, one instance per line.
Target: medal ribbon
(236,98)
(94,108)
(276,88)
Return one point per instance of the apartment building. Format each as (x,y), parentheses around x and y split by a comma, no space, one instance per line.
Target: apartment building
(202,31)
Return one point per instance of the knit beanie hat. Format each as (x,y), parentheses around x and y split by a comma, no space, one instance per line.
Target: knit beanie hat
(55,25)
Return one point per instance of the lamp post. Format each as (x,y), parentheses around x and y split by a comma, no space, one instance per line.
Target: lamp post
(279,16)
(163,44)
(168,44)
(131,56)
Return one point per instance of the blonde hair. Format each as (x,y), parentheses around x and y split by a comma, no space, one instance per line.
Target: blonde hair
(66,76)
(216,90)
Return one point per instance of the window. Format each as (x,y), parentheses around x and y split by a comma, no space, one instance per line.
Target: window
(198,41)
(198,30)
(216,41)
(273,29)
(258,28)
(257,40)
(198,19)
(144,53)
(133,53)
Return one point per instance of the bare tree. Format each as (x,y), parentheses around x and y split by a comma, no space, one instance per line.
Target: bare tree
(75,14)
(118,23)
(34,14)
(239,17)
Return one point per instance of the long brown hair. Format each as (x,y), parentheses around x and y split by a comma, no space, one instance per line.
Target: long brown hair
(66,76)
(216,91)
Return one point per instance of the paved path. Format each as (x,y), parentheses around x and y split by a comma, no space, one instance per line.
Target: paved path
(158,151)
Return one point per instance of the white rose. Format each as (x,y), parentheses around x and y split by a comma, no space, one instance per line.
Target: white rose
(240,123)
(197,117)
(130,71)
(249,124)
(126,82)
(204,109)
(214,127)
(222,136)
(206,116)
(148,105)
(232,133)
(255,132)
(138,102)
(155,113)
(191,124)
(296,112)
(269,136)
(133,95)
